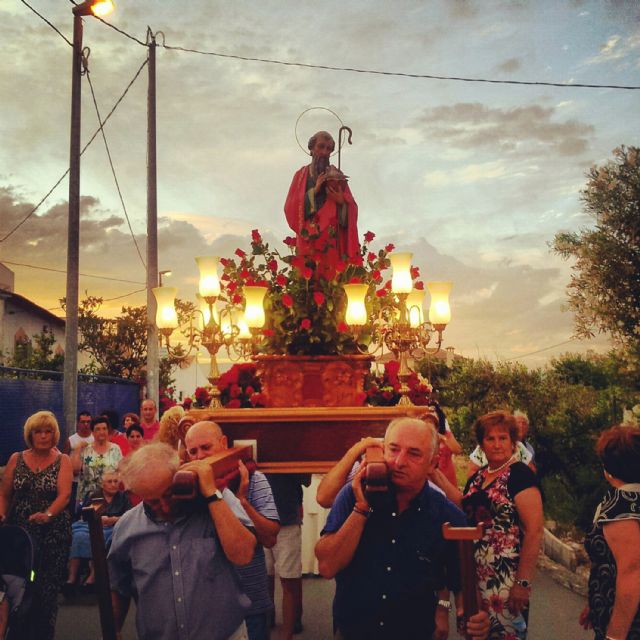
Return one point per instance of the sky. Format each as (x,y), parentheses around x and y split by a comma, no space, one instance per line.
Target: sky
(474,178)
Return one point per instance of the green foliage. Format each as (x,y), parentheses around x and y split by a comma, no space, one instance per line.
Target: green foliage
(604,292)
(569,404)
(37,353)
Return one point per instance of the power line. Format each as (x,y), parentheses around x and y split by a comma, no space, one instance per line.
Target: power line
(532,353)
(125,295)
(400,74)
(93,137)
(86,275)
(49,23)
(113,171)
(124,33)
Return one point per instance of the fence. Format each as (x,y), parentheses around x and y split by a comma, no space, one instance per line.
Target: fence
(21,395)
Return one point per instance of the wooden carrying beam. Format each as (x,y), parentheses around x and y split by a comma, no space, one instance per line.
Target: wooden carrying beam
(92,515)
(225,469)
(465,537)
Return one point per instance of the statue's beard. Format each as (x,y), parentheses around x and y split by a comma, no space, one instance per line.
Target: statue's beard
(320,165)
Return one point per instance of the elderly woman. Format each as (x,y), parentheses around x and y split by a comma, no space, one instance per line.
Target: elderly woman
(116,503)
(37,486)
(92,459)
(613,543)
(505,498)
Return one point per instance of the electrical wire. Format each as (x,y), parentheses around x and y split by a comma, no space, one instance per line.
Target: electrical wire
(49,23)
(93,137)
(532,353)
(399,74)
(125,295)
(113,170)
(86,275)
(124,33)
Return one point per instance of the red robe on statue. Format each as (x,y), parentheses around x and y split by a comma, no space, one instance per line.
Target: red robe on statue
(343,238)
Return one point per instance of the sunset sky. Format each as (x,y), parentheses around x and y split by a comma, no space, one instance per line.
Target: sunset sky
(474,178)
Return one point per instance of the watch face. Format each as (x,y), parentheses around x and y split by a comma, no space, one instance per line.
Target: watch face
(524,583)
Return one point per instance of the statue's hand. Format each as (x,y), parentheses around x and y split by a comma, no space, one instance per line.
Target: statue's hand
(320,181)
(336,195)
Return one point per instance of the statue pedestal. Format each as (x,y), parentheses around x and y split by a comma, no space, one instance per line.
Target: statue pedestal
(313,381)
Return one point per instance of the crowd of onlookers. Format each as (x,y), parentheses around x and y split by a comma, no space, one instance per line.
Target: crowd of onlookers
(206,567)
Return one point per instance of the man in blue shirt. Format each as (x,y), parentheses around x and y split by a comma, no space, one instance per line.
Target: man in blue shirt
(177,558)
(392,567)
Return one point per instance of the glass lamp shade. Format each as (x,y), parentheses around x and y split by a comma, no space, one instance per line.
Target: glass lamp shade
(414,307)
(166,316)
(206,316)
(254,308)
(401,281)
(241,323)
(209,282)
(356,314)
(439,310)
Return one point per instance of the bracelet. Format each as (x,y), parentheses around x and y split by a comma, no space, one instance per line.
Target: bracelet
(362,512)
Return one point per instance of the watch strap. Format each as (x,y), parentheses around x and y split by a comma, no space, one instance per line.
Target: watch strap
(445,604)
(214,497)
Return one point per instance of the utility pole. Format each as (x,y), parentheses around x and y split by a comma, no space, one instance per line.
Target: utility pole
(70,370)
(153,362)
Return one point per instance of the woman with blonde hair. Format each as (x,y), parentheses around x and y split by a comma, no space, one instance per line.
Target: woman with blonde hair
(35,492)
(168,431)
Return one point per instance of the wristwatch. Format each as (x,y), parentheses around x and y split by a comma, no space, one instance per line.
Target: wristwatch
(49,514)
(214,497)
(524,583)
(445,604)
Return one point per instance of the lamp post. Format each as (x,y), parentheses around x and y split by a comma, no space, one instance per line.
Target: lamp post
(70,379)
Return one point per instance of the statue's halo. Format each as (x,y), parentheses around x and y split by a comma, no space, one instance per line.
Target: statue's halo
(304,148)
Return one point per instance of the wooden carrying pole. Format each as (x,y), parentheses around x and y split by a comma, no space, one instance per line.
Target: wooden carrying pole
(92,515)
(465,537)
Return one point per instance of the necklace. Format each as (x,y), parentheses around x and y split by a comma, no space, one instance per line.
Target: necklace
(501,467)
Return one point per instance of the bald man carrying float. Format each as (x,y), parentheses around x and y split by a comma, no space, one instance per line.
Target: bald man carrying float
(204,439)
(392,567)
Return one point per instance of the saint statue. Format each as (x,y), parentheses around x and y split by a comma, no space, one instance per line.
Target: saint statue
(319,198)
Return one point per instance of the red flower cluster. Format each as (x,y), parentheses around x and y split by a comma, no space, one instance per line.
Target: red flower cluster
(385,390)
(240,387)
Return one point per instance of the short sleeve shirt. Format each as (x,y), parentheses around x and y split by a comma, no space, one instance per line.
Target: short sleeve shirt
(522,455)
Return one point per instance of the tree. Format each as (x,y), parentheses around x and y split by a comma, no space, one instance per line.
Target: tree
(37,353)
(604,291)
(118,346)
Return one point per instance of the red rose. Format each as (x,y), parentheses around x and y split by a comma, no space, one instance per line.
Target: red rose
(305,324)
(234,404)
(381,293)
(290,242)
(240,253)
(287,300)
(281,280)
(387,285)
(318,297)
(369,236)
(342,327)
(376,275)
(340,266)
(255,236)
(244,273)
(267,333)
(298,262)
(415,272)
(355,281)
(236,298)
(371,257)
(419,285)
(389,248)
(234,391)
(307,272)
(249,390)
(272,265)
(232,286)
(356,260)
(224,261)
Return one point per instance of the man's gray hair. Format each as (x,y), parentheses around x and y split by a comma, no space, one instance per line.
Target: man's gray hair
(433,434)
(150,457)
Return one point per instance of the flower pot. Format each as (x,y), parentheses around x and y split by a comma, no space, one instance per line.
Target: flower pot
(313,381)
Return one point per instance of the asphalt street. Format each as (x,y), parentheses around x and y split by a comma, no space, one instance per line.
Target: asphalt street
(554,614)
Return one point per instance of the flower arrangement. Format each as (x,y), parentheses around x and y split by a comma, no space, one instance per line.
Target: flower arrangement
(384,391)
(305,302)
(240,387)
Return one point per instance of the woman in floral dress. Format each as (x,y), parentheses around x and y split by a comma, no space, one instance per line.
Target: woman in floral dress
(613,543)
(92,459)
(35,491)
(504,497)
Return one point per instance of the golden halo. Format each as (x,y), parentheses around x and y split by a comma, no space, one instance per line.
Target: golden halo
(295,131)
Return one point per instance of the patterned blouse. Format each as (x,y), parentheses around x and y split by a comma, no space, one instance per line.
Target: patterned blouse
(93,466)
(617,504)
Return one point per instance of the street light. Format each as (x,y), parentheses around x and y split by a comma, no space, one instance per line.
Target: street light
(166,272)
(70,380)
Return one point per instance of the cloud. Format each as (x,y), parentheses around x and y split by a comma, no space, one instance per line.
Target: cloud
(511,65)
(510,131)
(618,48)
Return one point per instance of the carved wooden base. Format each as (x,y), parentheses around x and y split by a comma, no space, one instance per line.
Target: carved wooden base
(304,439)
(313,381)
